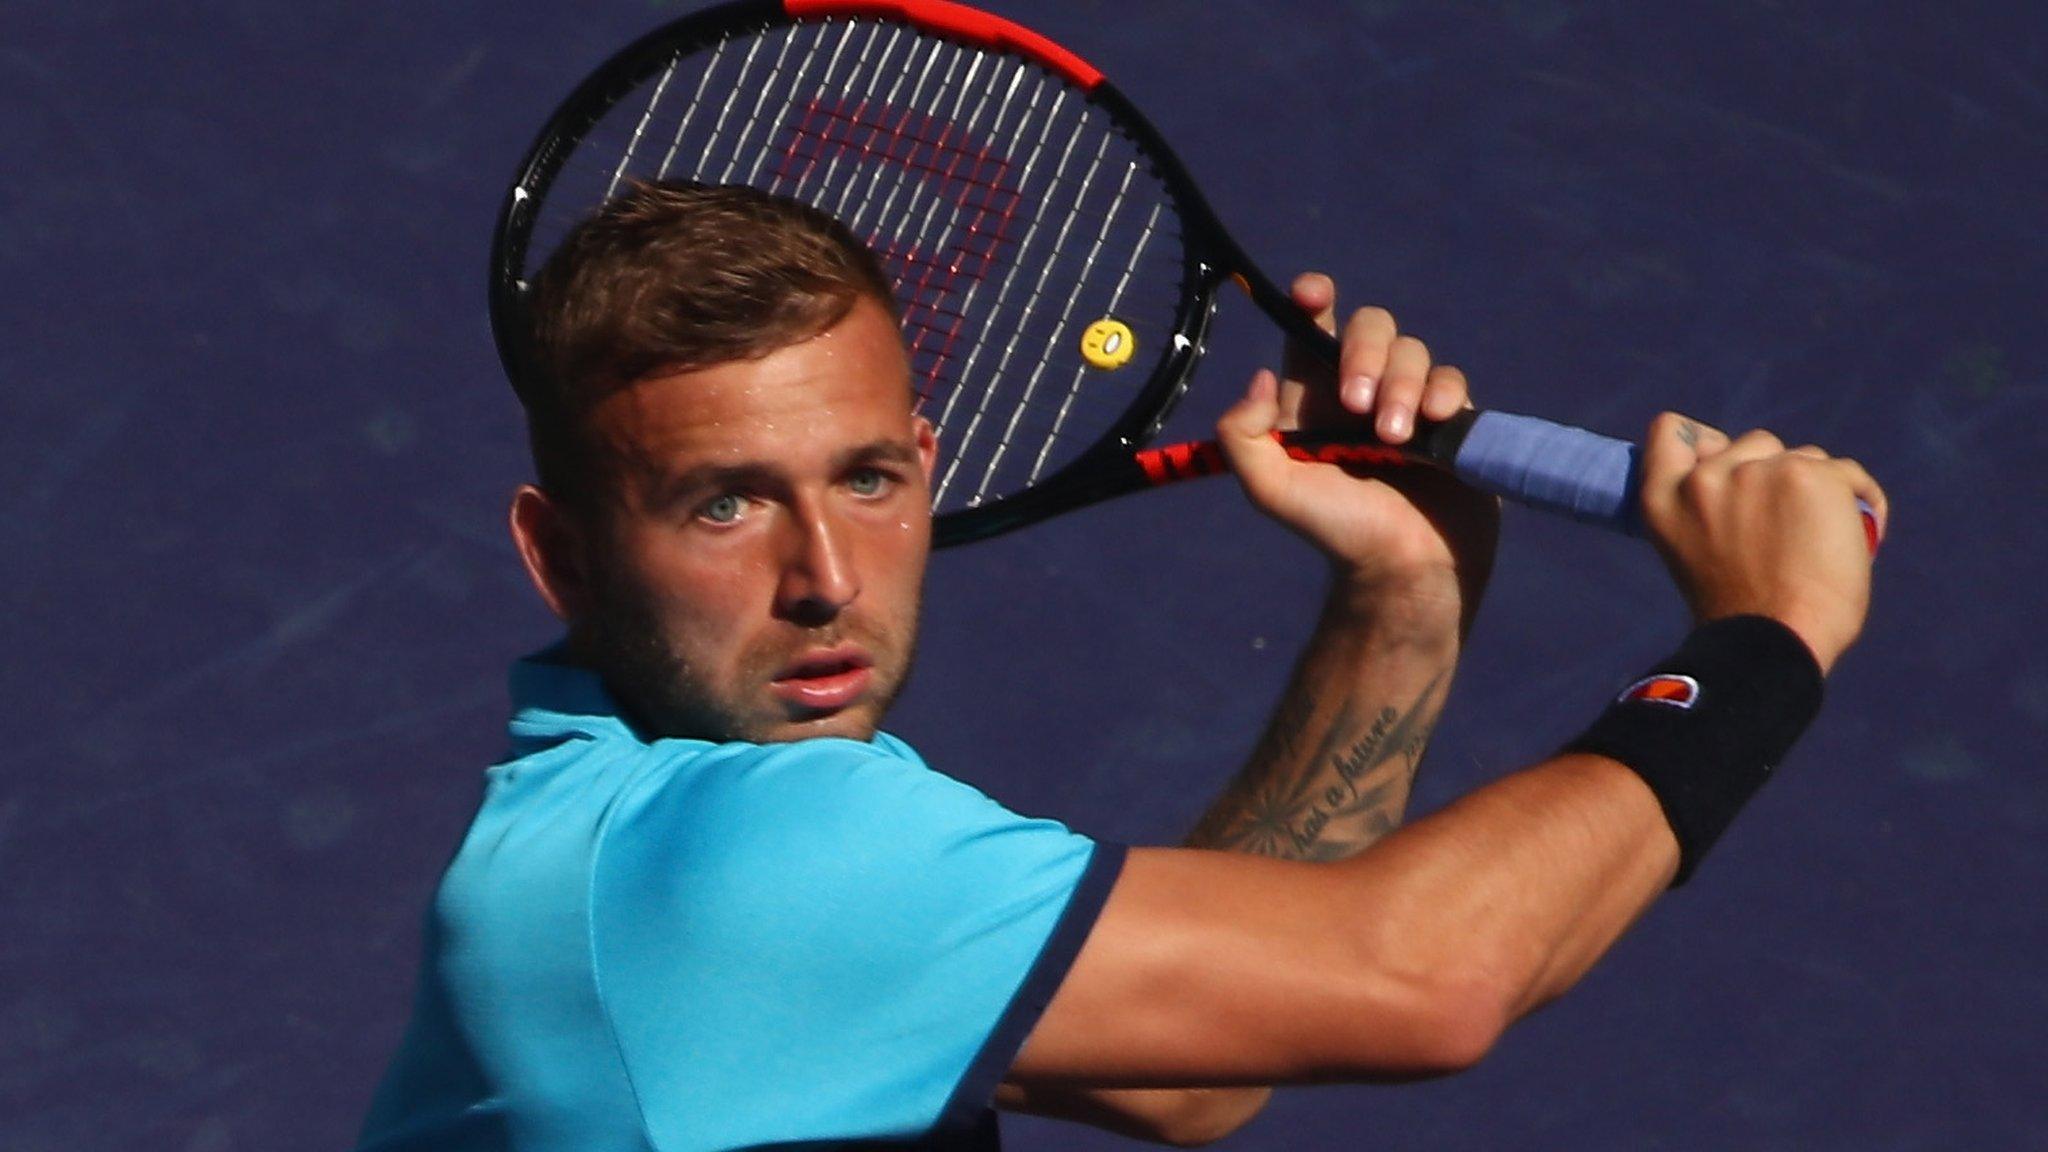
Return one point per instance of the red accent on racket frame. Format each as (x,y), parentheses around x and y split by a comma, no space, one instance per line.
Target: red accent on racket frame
(967,23)
(1187,461)
(1347,454)
(1203,458)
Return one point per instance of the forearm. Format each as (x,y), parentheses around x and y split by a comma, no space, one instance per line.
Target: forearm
(1330,775)
(1517,889)
(1333,771)
(1180,1116)
(1408,960)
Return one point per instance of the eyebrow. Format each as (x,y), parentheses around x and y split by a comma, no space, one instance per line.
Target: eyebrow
(716,477)
(880,452)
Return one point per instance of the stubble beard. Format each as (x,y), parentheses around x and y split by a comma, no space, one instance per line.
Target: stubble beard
(666,696)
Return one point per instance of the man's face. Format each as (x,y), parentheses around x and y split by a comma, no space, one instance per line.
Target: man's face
(758,571)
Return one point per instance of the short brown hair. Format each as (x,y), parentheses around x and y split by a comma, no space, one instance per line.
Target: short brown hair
(671,276)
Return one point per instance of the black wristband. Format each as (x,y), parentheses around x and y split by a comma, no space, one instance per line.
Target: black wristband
(1705,727)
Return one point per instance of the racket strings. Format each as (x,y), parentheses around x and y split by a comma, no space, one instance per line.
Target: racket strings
(959,168)
(1006,207)
(1115,302)
(1065,314)
(964,447)
(1066,186)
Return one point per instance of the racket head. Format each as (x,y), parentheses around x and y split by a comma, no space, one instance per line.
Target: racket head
(1025,210)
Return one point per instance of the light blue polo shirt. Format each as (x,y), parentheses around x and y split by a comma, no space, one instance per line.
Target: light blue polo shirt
(680,945)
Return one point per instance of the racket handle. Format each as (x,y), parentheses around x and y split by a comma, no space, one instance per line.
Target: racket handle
(1539,463)
(1559,468)
(1554,467)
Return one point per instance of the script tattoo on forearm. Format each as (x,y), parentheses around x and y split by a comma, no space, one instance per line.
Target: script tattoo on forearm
(1334,803)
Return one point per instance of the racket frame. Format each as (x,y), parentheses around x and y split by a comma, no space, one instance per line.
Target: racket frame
(1116,462)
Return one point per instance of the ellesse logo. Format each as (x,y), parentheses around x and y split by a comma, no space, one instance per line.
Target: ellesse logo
(1670,691)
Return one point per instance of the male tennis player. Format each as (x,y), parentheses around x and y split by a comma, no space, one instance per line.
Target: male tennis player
(707,903)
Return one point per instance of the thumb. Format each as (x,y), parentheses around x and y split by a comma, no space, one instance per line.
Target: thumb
(1245,433)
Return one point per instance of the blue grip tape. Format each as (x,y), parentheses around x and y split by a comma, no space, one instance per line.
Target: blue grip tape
(1555,467)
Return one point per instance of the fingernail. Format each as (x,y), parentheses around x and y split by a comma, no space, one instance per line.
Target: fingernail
(1358,393)
(1396,422)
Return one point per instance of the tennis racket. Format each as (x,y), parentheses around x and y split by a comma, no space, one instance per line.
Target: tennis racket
(1056,266)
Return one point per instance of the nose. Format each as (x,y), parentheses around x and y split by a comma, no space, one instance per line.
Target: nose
(818,575)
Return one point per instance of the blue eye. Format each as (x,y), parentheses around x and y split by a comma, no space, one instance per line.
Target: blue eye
(868,482)
(723,510)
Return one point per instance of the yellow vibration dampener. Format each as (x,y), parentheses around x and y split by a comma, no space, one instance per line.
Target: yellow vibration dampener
(1108,344)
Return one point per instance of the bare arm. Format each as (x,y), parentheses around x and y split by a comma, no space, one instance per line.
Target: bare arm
(1333,771)
(1334,768)
(1410,553)
(1330,776)
(1409,960)
(1211,968)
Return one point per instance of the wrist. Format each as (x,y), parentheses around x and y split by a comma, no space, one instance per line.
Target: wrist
(1437,588)
(1408,608)
(1822,643)
(1710,724)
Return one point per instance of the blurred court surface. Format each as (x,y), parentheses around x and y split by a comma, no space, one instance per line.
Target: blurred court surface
(256,450)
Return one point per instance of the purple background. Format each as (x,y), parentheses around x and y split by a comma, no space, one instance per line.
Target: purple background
(256,451)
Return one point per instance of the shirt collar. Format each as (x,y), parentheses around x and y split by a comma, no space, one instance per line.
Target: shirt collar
(553,697)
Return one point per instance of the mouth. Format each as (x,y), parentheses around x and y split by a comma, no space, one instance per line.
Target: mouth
(826,680)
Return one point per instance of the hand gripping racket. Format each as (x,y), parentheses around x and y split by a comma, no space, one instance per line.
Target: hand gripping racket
(1056,266)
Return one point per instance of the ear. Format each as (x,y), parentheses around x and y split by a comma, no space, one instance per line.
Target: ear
(927,446)
(550,543)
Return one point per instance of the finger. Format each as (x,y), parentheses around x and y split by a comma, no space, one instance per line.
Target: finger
(1866,486)
(1872,496)
(1444,393)
(1315,294)
(1400,391)
(1368,337)
(1671,451)
(1755,444)
(1245,433)
(1705,440)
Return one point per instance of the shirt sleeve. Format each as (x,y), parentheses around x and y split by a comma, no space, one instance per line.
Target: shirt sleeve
(828,941)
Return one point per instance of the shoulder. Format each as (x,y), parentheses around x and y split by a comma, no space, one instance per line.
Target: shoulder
(804,820)
(833,912)
(824,788)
